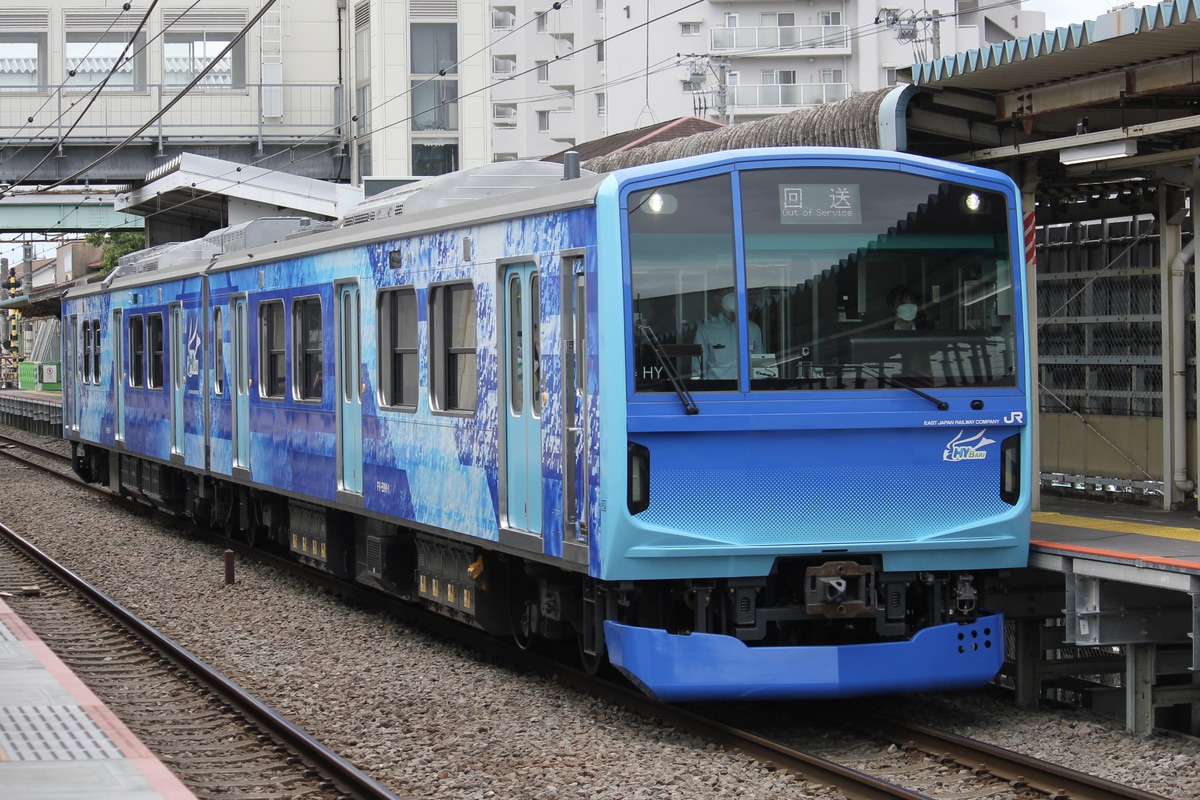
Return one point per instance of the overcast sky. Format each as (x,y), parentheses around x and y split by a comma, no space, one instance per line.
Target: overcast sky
(1061,13)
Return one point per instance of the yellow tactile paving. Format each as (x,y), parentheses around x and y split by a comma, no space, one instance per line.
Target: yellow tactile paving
(1118,526)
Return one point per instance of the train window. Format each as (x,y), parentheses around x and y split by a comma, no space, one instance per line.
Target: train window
(87,351)
(516,351)
(681,253)
(154,345)
(96,351)
(535,343)
(874,279)
(452,354)
(272,374)
(398,360)
(218,351)
(137,351)
(307,348)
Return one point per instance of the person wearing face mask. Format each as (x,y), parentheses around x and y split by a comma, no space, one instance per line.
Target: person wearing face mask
(905,308)
(718,340)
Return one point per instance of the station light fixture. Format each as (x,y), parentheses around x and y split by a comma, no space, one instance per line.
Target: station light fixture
(1099,151)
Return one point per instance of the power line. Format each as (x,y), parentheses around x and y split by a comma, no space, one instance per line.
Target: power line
(94,92)
(322,151)
(178,97)
(62,85)
(91,100)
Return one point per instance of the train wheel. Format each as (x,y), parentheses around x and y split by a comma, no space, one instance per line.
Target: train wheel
(522,625)
(593,663)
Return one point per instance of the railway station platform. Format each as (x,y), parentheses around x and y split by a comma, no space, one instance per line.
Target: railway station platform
(1108,614)
(32,410)
(58,741)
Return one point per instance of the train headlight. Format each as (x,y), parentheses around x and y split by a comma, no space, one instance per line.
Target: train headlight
(1010,470)
(638,491)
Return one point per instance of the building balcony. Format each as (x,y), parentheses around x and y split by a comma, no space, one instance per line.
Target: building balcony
(751,99)
(824,40)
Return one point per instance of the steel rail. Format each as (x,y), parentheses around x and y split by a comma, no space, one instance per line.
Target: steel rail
(340,771)
(1016,769)
(1019,770)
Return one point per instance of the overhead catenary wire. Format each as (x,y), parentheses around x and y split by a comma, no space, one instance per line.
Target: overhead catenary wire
(94,91)
(182,93)
(232,173)
(854,34)
(62,85)
(91,99)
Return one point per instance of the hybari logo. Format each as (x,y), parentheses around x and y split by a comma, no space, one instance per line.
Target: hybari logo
(967,449)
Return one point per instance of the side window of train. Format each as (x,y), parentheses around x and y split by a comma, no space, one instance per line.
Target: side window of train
(154,331)
(535,311)
(452,356)
(137,351)
(397,314)
(96,351)
(86,366)
(218,351)
(272,374)
(308,378)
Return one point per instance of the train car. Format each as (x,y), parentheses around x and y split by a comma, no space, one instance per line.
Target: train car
(753,424)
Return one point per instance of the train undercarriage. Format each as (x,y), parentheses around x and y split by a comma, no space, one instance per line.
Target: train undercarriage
(801,603)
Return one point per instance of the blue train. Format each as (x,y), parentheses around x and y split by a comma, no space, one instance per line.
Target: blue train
(752,424)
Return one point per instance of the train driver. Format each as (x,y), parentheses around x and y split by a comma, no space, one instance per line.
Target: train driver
(718,341)
(905,305)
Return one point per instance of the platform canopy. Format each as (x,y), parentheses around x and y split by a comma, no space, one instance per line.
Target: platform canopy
(198,192)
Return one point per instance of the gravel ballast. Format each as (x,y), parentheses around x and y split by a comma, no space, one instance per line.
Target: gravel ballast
(429,719)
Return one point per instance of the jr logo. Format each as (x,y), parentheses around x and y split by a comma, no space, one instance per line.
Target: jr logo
(1014,418)
(967,449)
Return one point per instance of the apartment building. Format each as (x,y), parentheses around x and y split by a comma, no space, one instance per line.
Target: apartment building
(105,91)
(571,72)
(341,90)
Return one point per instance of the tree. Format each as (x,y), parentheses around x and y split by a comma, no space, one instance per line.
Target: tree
(115,244)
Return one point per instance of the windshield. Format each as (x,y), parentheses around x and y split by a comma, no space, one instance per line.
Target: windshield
(842,279)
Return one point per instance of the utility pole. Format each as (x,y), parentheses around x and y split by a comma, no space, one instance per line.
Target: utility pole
(698,68)
(911,26)
(722,91)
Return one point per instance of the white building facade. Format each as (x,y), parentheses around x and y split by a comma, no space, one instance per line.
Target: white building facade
(341,90)
(592,68)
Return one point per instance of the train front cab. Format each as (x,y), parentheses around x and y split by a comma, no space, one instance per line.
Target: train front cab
(813,495)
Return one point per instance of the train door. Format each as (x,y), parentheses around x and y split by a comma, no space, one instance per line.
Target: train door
(574,405)
(350,447)
(120,374)
(240,368)
(523,398)
(177,377)
(73,374)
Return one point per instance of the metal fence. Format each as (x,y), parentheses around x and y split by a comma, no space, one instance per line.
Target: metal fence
(1100,318)
(1100,356)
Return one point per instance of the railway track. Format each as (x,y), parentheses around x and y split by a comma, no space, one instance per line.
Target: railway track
(221,742)
(915,768)
(43,454)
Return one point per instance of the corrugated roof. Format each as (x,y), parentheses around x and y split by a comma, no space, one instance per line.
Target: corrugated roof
(1102,44)
(639,137)
(853,122)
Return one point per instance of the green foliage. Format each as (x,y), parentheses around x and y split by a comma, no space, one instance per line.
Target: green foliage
(115,244)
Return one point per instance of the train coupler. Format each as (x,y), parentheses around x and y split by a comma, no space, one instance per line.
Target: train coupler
(839,589)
